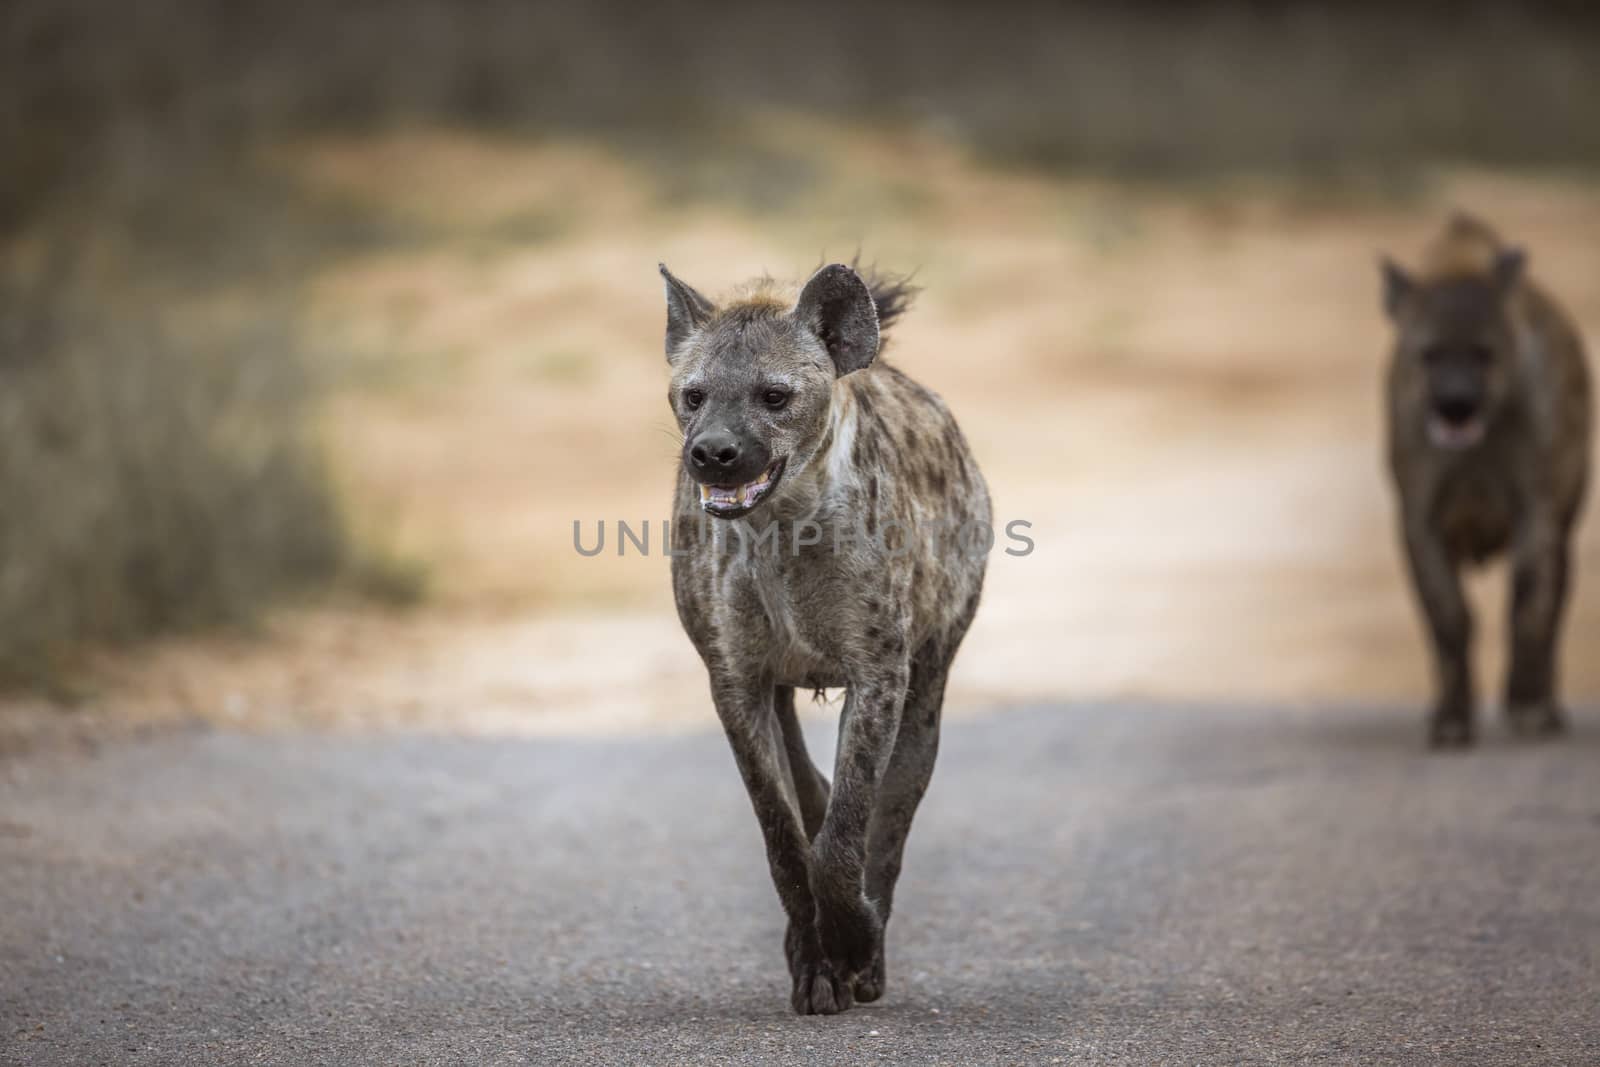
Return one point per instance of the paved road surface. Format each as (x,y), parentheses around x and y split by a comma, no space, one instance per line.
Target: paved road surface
(1085,885)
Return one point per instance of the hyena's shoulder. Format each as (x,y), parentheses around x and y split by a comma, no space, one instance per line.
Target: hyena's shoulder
(906,430)
(1561,394)
(1544,317)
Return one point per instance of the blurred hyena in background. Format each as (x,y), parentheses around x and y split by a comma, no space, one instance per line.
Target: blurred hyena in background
(1489,414)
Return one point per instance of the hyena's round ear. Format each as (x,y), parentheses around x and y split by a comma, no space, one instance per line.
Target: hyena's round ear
(1397,286)
(837,307)
(687,311)
(1509,265)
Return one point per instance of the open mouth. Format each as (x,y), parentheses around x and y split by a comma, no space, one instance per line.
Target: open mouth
(1454,431)
(731,501)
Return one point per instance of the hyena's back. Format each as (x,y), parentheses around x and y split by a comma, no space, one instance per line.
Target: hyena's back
(918,471)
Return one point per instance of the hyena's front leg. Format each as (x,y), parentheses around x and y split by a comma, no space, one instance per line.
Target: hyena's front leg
(1539,577)
(906,780)
(749,719)
(1438,585)
(848,923)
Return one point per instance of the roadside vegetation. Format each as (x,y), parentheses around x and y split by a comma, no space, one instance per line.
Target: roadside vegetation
(163,460)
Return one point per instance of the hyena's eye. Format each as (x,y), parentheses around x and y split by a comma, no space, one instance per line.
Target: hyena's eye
(693,398)
(775,398)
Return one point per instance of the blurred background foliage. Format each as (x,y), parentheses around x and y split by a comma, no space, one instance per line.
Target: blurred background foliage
(162,463)
(135,94)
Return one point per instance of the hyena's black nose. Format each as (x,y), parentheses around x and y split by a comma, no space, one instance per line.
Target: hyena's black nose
(713,450)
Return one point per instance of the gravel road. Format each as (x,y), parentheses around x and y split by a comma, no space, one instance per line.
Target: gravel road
(1118,884)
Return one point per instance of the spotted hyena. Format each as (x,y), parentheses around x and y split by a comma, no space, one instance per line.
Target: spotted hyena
(1489,446)
(828,532)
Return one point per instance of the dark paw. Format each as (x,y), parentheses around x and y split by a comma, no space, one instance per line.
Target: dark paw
(851,935)
(1537,719)
(819,988)
(1450,731)
(871,983)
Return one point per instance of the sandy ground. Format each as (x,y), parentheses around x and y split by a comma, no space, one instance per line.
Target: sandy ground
(1178,388)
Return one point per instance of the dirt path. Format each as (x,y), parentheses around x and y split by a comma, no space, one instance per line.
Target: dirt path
(1177,389)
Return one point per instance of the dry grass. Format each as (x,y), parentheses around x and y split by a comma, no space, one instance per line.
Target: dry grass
(155,474)
(162,459)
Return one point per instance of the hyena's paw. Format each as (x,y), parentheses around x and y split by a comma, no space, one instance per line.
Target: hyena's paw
(851,935)
(871,983)
(818,988)
(819,991)
(1535,719)
(1450,728)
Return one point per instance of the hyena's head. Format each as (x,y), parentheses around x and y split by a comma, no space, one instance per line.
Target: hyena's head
(1455,345)
(752,382)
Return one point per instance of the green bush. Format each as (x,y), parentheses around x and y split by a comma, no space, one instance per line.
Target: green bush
(154,474)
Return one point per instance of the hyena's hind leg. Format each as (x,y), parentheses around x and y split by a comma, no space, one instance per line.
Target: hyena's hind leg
(810,787)
(910,767)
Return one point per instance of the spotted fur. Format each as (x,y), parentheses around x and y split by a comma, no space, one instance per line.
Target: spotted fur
(868,453)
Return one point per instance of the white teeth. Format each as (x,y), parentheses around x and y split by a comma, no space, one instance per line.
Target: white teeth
(719,496)
(1447,435)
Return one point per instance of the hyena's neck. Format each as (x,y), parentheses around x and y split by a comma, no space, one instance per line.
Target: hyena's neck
(831,472)
(835,464)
